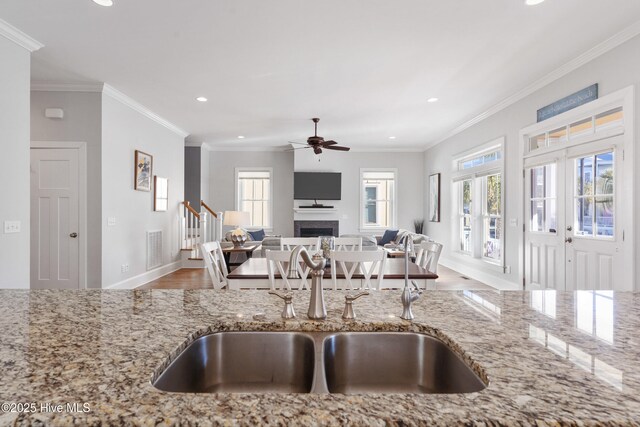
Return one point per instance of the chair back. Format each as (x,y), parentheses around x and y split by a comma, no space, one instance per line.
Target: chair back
(311,243)
(364,263)
(214,261)
(278,261)
(348,243)
(428,254)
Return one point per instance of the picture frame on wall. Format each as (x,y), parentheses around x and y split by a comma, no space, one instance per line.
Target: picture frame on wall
(434,197)
(143,171)
(160,194)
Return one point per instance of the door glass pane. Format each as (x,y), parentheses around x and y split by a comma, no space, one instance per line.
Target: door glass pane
(537,215)
(604,173)
(604,216)
(584,176)
(551,222)
(584,216)
(537,182)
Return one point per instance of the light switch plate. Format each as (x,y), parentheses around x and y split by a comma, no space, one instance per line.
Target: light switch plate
(11,227)
(111,221)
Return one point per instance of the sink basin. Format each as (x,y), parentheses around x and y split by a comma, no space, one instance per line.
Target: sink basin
(387,362)
(243,362)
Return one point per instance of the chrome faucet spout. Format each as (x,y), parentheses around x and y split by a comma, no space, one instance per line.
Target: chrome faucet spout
(408,294)
(317,309)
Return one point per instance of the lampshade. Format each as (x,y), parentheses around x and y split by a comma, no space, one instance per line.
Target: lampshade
(237,218)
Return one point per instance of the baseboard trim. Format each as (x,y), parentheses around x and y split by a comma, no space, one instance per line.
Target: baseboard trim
(482,276)
(141,279)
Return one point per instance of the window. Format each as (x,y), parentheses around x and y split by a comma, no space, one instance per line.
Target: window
(377,204)
(477,185)
(254,195)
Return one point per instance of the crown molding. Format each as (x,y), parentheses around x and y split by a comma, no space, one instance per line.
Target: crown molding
(129,102)
(18,37)
(588,56)
(229,149)
(388,150)
(45,86)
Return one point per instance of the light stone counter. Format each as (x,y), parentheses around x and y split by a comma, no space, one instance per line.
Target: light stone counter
(550,358)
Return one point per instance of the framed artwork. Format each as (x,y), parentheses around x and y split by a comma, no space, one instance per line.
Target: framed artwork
(144,167)
(160,194)
(434,197)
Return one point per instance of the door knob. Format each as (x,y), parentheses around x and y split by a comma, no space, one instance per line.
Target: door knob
(74,235)
(568,240)
(569,228)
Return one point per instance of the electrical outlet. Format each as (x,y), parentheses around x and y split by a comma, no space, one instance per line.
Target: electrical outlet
(11,227)
(124,268)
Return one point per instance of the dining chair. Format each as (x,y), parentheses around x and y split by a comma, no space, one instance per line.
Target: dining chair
(311,243)
(359,262)
(428,254)
(279,261)
(348,243)
(214,261)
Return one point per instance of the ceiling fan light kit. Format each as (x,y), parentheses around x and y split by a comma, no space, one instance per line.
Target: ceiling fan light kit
(318,143)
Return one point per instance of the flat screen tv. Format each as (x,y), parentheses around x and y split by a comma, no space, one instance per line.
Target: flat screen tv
(317,185)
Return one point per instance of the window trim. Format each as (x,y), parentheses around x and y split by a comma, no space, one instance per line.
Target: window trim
(237,193)
(476,174)
(394,207)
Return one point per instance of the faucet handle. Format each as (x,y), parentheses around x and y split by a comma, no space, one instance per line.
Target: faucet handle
(348,313)
(288,312)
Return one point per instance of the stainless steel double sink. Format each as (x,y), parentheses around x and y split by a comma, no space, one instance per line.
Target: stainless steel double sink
(337,362)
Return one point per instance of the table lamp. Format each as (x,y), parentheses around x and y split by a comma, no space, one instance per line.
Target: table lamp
(237,219)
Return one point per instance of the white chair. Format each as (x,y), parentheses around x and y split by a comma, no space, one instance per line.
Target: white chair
(362,262)
(214,261)
(279,261)
(348,244)
(311,243)
(428,254)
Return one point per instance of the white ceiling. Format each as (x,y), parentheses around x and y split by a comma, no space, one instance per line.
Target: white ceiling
(366,67)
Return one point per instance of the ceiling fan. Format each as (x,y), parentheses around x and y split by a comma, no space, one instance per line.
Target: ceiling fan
(318,143)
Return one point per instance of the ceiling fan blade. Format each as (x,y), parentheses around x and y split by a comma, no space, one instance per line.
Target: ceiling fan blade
(330,142)
(299,143)
(300,148)
(337,147)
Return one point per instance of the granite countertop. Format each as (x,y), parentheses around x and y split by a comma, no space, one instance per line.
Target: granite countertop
(552,358)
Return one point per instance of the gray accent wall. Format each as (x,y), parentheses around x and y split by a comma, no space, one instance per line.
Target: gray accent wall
(192,176)
(613,71)
(82,122)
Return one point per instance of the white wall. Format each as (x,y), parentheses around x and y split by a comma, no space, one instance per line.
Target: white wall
(125,130)
(614,70)
(82,122)
(410,184)
(14,163)
(222,183)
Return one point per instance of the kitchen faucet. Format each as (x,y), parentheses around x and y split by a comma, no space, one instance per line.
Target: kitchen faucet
(317,309)
(408,294)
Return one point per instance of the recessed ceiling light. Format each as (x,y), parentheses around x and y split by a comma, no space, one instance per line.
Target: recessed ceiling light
(240,136)
(392,137)
(104,2)
(201,99)
(432,100)
(528,2)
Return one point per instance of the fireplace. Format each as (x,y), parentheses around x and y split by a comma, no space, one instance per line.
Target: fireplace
(316,228)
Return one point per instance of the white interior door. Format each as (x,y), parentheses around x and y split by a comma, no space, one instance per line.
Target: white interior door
(574,234)
(544,239)
(594,232)
(54,218)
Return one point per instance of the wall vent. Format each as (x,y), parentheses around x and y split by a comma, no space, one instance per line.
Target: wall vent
(154,249)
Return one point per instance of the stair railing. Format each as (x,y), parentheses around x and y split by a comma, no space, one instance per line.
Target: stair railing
(199,227)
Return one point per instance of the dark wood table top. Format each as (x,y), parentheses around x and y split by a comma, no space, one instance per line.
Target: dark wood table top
(256,268)
(248,247)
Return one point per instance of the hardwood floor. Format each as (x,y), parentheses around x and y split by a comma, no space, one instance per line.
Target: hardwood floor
(197,278)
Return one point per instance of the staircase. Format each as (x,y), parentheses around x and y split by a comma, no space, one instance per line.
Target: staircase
(197,228)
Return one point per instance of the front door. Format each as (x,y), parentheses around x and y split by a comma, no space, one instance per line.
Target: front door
(574,232)
(54,218)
